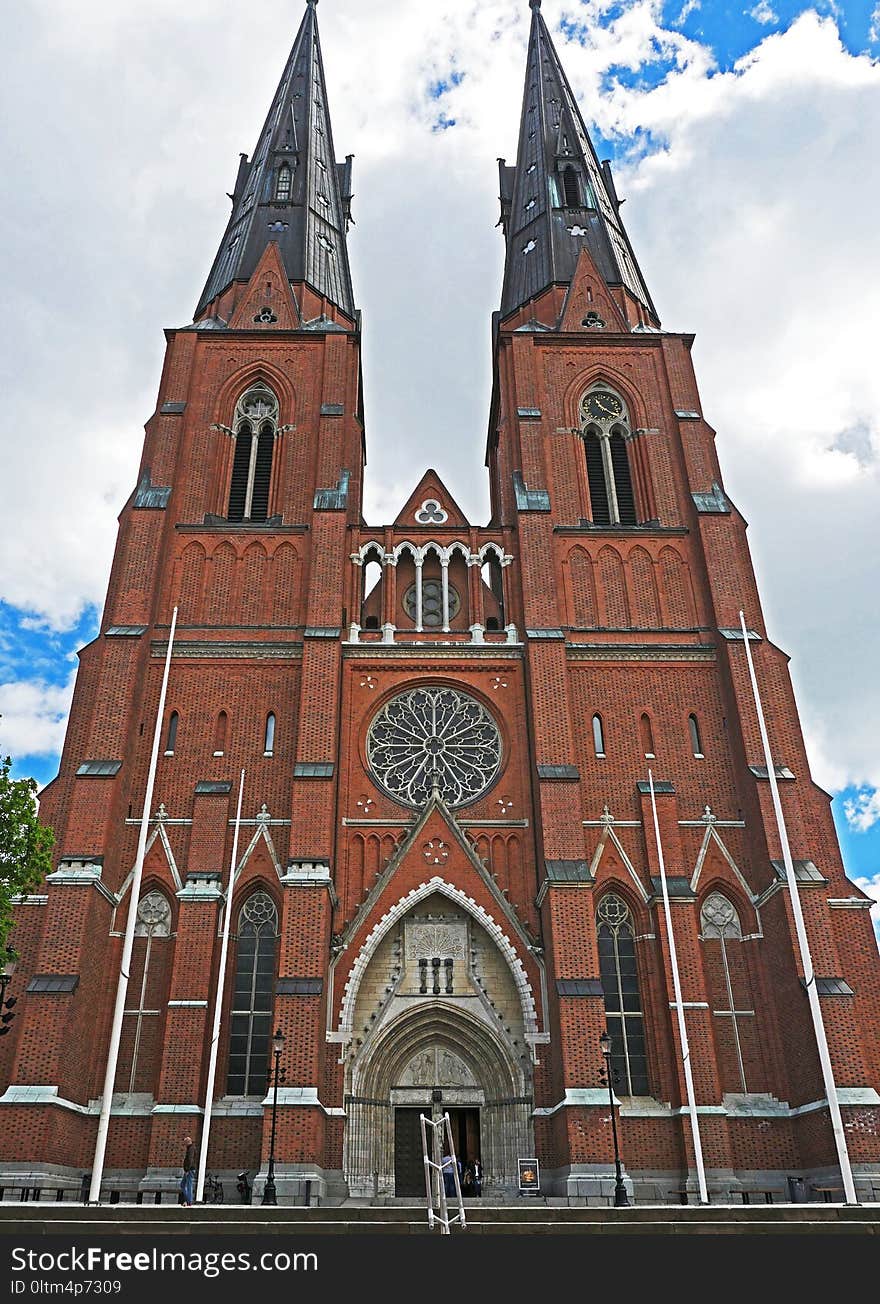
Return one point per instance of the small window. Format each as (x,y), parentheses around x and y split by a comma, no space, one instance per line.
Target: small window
(598,735)
(696,741)
(269,747)
(571,189)
(171,736)
(220,732)
(647,735)
(282,187)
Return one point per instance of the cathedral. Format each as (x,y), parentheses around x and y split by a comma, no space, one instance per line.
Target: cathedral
(447,881)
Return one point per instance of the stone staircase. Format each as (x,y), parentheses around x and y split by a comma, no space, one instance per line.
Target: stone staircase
(408,1218)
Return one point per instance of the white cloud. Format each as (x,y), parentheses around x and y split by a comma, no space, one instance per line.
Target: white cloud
(874,30)
(763,13)
(33,716)
(863,810)
(688,8)
(753,215)
(871,888)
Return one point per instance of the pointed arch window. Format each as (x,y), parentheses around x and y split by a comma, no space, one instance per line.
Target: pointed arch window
(153,922)
(283,183)
(624,1016)
(171,735)
(696,740)
(605,429)
(647,735)
(255,428)
(251,1021)
(221,728)
(371,588)
(269,740)
(720,921)
(598,736)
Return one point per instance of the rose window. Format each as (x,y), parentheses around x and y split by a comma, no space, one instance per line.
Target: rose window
(434,736)
(432,603)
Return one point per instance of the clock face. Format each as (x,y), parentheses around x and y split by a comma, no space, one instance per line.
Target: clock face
(603,406)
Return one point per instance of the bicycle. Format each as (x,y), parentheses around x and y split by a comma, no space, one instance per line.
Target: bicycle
(214,1193)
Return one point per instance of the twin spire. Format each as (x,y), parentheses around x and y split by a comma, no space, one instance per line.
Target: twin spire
(559,199)
(292,190)
(556,201)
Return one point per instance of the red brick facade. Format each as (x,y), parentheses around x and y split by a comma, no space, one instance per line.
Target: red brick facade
(552,620)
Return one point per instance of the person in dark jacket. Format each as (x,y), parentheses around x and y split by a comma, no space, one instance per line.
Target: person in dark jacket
(188,1181)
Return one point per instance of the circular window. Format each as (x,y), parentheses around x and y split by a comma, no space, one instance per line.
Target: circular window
(434,735)
(432,603)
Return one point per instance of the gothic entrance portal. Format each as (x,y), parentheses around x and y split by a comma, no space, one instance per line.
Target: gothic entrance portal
(459,1050)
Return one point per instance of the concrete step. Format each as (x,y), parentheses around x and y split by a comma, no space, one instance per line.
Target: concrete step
(408,1218)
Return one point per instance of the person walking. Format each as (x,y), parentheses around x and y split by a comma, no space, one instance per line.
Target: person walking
(188,1181)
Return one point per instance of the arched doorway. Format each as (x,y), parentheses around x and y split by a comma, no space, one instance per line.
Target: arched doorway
(438,1026)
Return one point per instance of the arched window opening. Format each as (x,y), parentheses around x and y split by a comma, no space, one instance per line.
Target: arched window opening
(282,185)
(241,464)
(492,576)
(696,741)
(171,735)
(720,921)
(153,921)
(624,1016)
(571,188)
(598,736)
(251,1020)
(371,599)
(647,734)
(596,478)
(220,731)
(626,503)
(269,741)
(605,429)
(255,428)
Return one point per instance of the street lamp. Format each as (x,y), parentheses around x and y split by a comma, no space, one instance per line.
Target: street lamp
(621,1200)
(269,1196)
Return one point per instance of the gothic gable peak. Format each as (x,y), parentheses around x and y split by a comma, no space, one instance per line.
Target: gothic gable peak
(431,504)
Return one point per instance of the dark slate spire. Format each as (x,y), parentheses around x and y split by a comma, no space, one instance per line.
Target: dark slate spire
(292,190)
(558,198)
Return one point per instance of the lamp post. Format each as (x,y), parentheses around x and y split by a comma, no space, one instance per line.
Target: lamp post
(621,1199)
(269,1196)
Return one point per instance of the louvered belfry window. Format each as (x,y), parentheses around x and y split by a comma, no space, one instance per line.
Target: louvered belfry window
(251,1022)
(255,428)
(605,429)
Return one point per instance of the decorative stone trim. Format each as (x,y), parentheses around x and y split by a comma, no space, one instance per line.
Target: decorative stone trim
(302,1097)
(396,913)
(576,1098)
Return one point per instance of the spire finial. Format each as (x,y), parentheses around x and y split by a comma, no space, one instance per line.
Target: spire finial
(312,3)
(533,4)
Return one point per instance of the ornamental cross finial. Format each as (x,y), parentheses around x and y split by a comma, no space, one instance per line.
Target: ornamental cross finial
(708,816)
(161,813)
(607,817)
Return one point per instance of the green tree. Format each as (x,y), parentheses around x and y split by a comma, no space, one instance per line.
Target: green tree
(25,847)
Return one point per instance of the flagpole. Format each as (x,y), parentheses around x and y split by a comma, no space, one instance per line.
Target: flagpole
(218,1007)
(679,1009)
(803,943)
(128,943)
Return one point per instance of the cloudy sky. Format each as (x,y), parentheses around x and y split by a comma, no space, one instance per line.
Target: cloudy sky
(744,137)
